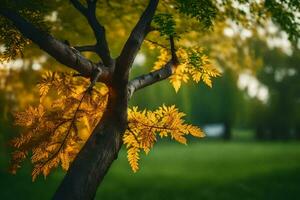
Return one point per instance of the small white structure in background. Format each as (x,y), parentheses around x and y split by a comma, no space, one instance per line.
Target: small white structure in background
(214,130)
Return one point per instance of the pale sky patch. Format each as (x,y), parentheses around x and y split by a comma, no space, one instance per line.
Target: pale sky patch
(20,63)
(253,87)
(140,59)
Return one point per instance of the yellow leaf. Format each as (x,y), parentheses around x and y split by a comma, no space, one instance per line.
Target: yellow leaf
(176,83)
(206,79)
(133,158)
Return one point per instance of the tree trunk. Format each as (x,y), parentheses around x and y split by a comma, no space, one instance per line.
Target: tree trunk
(227,132)
(93,161)
(259,133)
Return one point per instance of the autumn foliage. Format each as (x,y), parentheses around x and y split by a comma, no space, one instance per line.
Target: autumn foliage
(193,64)
(51,135)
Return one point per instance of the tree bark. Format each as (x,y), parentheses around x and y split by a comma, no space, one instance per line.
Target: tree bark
(102,148)
(228,132)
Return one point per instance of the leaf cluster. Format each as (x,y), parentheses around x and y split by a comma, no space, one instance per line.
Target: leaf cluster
(203,10)
(193,65)
(145,126)
(55,130)
(165,24)
(53,134)
(286,14)
(14,42)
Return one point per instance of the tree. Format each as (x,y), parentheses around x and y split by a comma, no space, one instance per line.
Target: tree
(105,107)
(281,76)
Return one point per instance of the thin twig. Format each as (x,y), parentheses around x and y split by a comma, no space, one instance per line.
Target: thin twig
(157,44)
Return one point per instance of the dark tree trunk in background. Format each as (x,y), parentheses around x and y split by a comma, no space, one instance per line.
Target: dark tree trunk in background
(228,131)
(259,133)
(297,130)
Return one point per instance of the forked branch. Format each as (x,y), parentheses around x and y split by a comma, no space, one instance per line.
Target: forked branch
(151,78)
(99,31)
(155,76)
(135,40)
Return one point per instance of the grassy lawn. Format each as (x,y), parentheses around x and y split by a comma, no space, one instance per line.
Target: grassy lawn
(205,170)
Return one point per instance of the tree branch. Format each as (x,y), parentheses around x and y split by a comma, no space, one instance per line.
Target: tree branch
(99,31)
(135,40)
(157,44)
(173,51)
(156,76)
(79,7)
(92,5)
(90,48)
(63,53)
(151,78)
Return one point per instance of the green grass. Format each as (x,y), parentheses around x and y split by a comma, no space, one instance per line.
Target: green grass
(205,170)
